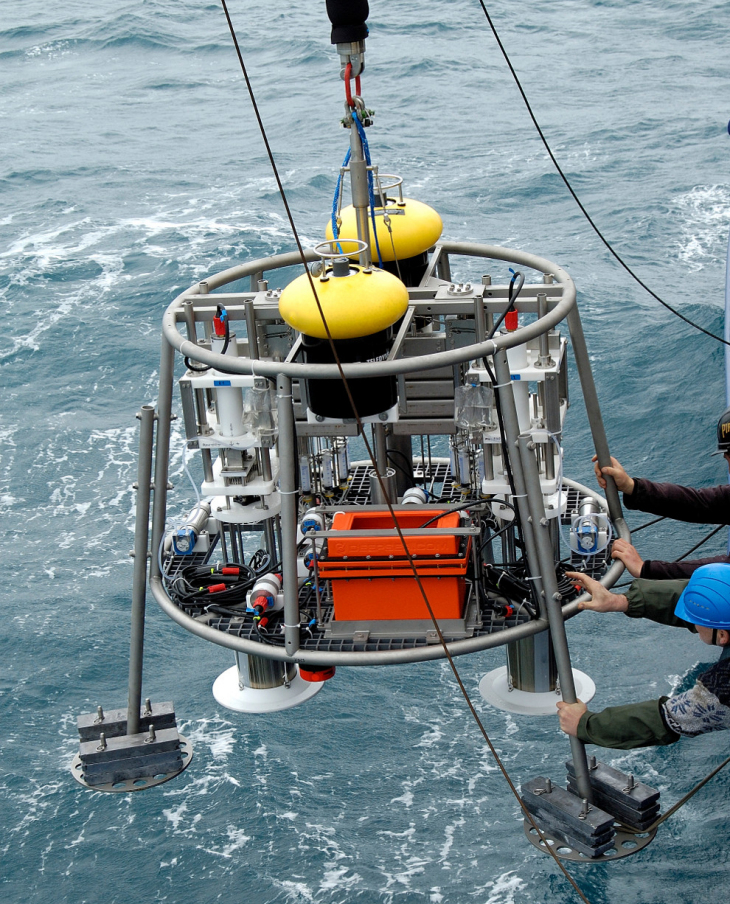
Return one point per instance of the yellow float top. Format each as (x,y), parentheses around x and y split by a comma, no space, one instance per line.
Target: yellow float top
(360,304)
(415,227)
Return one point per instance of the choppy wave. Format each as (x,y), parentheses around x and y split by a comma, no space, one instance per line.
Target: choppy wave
(133,168)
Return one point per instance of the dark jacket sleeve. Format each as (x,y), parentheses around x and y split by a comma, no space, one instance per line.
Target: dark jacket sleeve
(629,726)
(656,600)
(708,506)
(667,571)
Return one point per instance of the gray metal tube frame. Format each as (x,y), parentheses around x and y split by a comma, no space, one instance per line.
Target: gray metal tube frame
(541,532)
(139,580)
(162,454)
(174,340)
(590,396)
(450,358)
(360,193)
(383,657)
(288,517)
(512,432)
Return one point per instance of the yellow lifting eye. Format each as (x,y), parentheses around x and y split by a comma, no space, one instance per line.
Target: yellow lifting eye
(360,304)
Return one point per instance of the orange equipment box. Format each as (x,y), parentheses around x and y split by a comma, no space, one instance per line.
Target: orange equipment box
(372,578)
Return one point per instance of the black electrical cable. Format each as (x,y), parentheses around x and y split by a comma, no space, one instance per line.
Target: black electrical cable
(193,367)
(404,472)
(191,586)
(636,530)
(508,467)
(260,562)
(682,557)
(458,508)
(577,200)
(519,279)
(495,535)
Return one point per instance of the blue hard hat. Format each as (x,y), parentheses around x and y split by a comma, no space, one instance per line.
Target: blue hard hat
(706,598)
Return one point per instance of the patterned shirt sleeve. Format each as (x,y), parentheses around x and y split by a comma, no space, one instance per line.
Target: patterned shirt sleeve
(703,708)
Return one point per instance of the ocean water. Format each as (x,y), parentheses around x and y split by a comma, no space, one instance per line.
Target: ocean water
(132,167)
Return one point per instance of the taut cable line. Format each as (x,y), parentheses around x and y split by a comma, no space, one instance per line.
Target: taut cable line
(577,200)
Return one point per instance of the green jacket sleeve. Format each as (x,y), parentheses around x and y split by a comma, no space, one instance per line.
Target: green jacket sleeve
(656,600)
(628,726)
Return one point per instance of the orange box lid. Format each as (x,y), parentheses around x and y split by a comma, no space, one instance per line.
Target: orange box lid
(389,542)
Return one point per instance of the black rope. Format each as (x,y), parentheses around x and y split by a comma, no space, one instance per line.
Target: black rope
(635,530)
(702,542)
(577,200)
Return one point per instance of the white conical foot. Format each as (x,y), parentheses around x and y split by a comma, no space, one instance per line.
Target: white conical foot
(495,690)
(228,693)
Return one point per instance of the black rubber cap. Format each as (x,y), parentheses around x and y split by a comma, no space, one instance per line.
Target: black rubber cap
(348,18)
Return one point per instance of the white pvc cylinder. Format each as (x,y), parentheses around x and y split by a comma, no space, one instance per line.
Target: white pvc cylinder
(228,399)
(517,359)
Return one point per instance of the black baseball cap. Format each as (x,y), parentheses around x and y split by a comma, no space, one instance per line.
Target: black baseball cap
(723,433)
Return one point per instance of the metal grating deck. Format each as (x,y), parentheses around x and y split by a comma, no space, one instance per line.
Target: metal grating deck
(313,640)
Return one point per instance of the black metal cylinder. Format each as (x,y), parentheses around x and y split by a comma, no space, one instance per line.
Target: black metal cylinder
(328,398)
(410,269)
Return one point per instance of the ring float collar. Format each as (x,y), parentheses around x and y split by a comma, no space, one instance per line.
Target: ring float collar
(364,302)
(415,228)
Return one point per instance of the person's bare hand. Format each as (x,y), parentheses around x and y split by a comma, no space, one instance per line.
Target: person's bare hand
(569,715)
(629,555)
(601,600)
(623,482)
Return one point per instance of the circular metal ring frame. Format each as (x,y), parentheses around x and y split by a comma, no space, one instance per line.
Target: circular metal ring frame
(332,255)
(299,371)
(382,657)
(626,843)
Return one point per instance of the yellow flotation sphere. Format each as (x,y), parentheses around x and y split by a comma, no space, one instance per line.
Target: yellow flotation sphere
(415,228)
(360,304)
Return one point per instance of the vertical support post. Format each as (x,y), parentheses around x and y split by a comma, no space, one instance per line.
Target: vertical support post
(595,420)
(360,193)
(162,453)
(512,431)
(381,449)
(541,533)
(401,445)
(139,581)
(287,485)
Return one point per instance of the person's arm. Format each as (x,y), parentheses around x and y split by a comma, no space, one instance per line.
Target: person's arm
(656,601)
(704,707)
(706,506)
(628,726)
(655,570)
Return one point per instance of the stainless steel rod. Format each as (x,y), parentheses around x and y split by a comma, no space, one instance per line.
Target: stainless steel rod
(593,409)
(512,431)
(360,193)
(544,546)
(139,580)
(162,453)
(287,484)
